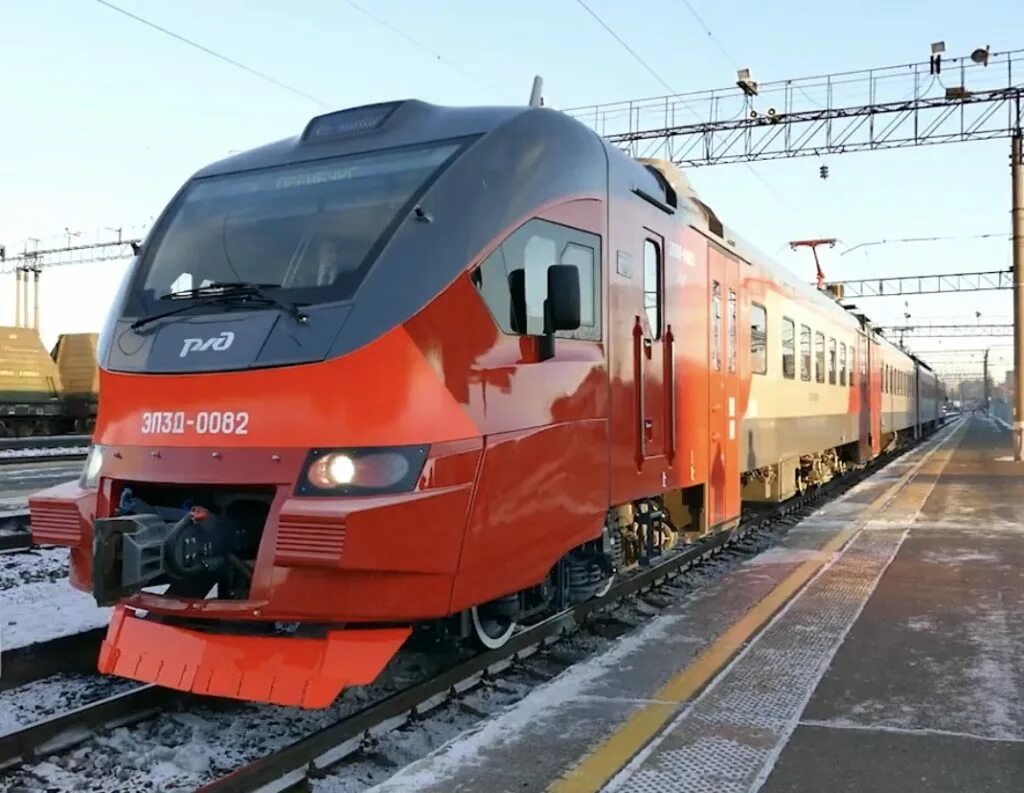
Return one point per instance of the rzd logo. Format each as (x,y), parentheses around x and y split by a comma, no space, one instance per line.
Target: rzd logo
(219,343)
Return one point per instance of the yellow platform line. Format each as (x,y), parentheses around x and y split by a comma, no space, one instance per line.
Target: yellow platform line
(598,767)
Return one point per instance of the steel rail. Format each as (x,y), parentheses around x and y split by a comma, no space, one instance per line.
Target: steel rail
(73,727)
(76,652)
(14,531)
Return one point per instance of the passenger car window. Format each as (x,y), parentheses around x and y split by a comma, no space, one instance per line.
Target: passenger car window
(788,348)
(819,355)
(758,339)
(842,364)
(832,361)
(535,246)
(805,353)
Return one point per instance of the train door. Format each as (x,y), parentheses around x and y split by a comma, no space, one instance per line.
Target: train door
(723,396)
(863,400)
(915,395)
(652,340)
(875,394)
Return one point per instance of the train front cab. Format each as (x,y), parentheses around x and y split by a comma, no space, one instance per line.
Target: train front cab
(306,474)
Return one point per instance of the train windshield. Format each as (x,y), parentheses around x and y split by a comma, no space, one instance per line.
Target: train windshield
(310,232)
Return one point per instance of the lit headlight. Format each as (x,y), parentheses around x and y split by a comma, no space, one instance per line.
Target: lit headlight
(91,470)
(361,471)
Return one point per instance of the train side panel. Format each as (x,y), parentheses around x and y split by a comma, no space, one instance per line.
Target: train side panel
(804,402)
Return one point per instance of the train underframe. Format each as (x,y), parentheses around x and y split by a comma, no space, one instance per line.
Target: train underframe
(33,420)
(197,538)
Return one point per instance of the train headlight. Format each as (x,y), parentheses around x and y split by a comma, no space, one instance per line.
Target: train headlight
(91,470)
(338,469)
(361,471)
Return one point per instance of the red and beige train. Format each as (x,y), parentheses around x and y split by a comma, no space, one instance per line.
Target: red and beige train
(446,367)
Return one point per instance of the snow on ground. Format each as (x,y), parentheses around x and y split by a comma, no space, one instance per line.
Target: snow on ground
(26,567)
(32,702)
(958,556)
(44,610)
(997,699)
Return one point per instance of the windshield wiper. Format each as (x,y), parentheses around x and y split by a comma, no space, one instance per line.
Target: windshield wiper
(244,291)
(226,292)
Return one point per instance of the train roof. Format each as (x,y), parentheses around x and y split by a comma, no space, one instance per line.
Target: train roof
(413,121)
(381,126)
(704,217)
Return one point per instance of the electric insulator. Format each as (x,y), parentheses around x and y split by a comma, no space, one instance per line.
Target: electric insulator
(823,171)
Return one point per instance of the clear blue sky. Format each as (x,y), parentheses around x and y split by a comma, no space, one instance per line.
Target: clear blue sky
(105,118)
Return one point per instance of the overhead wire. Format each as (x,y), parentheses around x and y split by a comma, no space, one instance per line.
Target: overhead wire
(711,35)
(220,56)
(420,45)
(675,94)
(942,238)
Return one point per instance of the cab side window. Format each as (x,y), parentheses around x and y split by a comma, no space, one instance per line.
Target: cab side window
(653,287)
(533,247)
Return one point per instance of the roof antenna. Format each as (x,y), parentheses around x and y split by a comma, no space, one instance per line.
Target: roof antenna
(536,99)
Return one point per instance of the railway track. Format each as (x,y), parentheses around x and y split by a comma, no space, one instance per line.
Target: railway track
(74,653)
(43,448)
(43,442)
(18,453)
(294,764)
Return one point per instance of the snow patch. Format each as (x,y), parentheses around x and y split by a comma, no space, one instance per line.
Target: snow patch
(785,556)
(45,610)
(26,567)
(998,698)
(921,624)
(960,556)
(41,699)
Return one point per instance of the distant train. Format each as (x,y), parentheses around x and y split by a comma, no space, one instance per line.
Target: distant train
(47,393)
(430,367)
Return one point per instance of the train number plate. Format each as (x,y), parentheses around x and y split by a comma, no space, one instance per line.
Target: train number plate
(204,422)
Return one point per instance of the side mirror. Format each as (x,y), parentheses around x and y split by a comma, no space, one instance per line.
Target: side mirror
(517,300)
(563,303)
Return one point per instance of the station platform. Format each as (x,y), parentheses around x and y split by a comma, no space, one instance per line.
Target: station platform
(878,648)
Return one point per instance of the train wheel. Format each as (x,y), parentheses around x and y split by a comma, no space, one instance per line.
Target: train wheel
(492,632)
